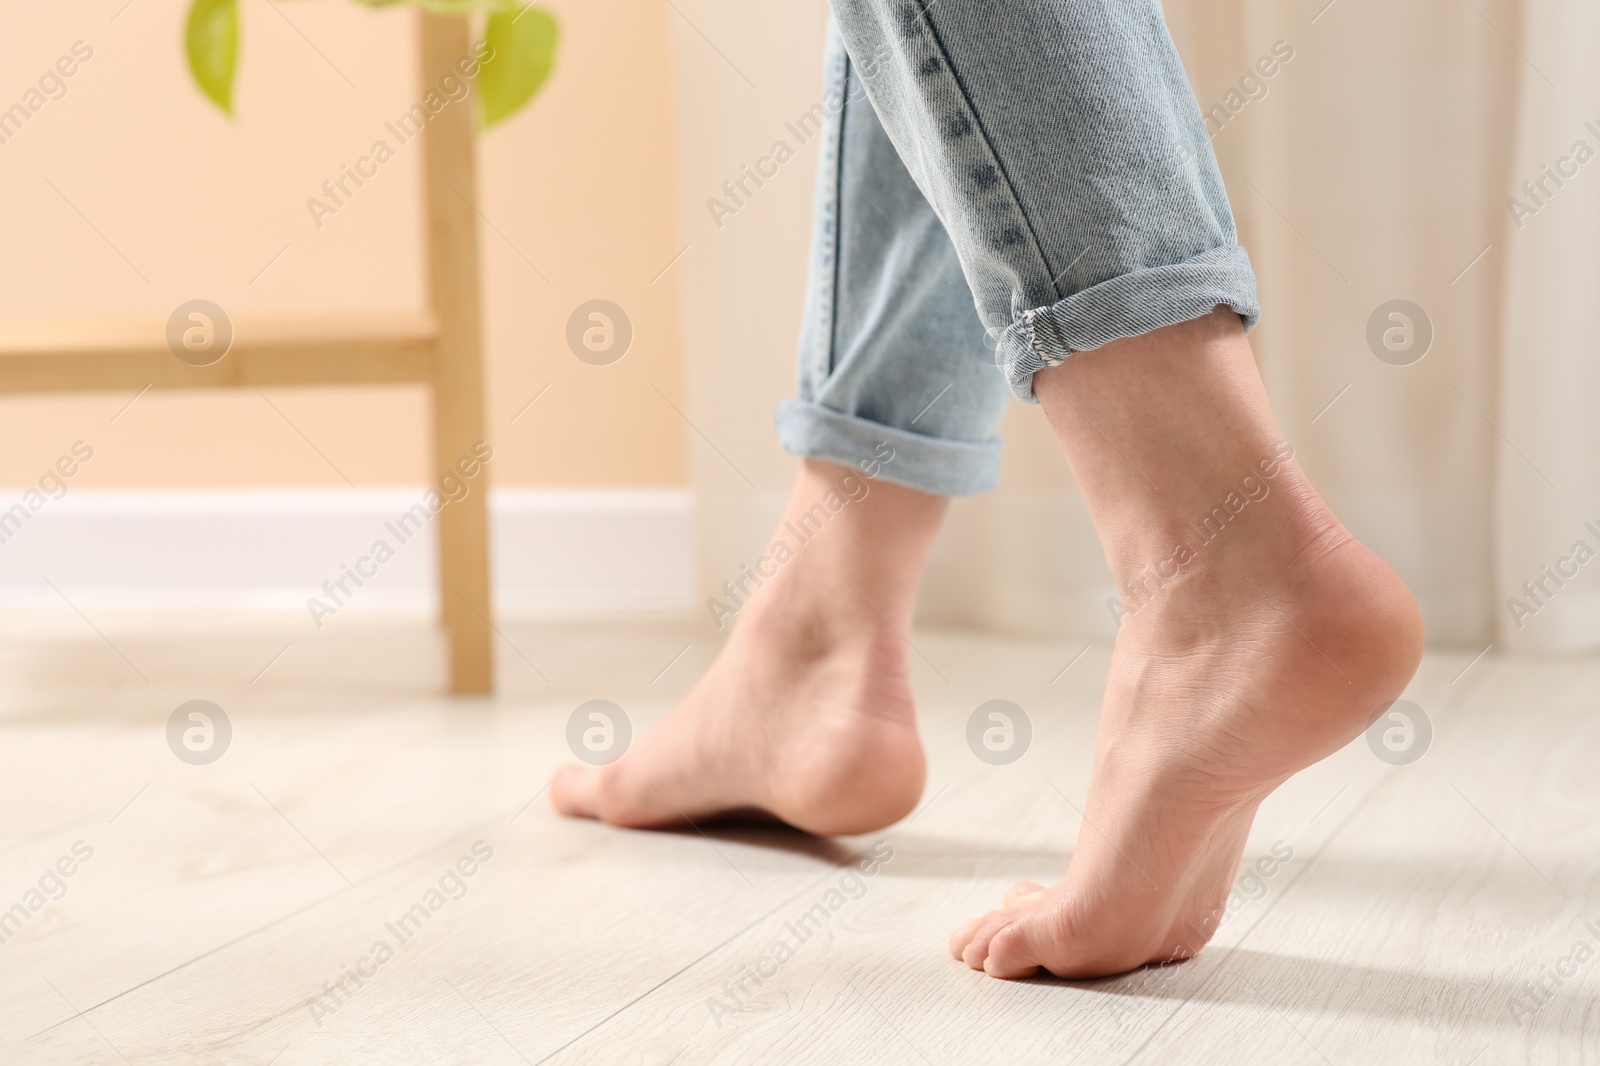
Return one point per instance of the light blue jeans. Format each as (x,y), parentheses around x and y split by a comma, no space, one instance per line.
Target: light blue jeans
(1002,183)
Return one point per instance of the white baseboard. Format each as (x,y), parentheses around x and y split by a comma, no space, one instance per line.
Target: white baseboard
(578,552)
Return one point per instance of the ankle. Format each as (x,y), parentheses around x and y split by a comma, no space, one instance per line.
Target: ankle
(810,620)
(1326,597)
(842,566)
(1259,524)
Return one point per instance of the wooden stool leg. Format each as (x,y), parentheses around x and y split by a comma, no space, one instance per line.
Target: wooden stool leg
(464,566)
(458,415)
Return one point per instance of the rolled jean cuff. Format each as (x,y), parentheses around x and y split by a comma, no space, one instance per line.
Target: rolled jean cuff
(1126,306)
(929,464)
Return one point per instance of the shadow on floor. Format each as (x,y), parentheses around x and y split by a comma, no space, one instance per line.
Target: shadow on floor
(914,856)
(1296,985)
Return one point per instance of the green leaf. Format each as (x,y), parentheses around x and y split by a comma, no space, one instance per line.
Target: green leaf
(212,42)
(522,43)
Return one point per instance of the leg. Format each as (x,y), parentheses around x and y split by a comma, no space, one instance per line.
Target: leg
(464,558)
(807,713)
(458,423)
(1060,144)
(1259,638)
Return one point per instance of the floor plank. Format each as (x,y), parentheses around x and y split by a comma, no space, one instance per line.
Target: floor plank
(1411,911)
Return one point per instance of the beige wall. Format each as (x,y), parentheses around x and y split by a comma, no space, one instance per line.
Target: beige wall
(1386,159)
(188,204)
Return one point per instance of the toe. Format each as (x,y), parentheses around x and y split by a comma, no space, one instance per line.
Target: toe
(575,791)
(977,949)
(1019,894)
(1010,955)
(962,937)
(1023,892)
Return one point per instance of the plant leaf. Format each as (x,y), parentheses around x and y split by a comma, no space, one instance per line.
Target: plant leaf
(212,42)
(523,50)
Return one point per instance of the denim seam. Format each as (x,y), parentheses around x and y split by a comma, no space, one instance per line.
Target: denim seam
(816,364)
(925,11)
(832,350)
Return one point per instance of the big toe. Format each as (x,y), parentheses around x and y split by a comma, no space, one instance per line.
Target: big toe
(575,791)
(1015,941)
(1011,953)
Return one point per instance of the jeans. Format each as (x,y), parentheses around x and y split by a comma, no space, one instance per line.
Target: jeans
(1000,185)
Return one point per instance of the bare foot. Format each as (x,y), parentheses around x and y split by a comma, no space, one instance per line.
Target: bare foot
(1272,647)
(807,714)
(1217,695)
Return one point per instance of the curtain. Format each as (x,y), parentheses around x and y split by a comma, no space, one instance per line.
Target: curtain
(1547,493)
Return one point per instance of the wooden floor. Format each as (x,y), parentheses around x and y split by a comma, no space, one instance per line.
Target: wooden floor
(1428,913)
